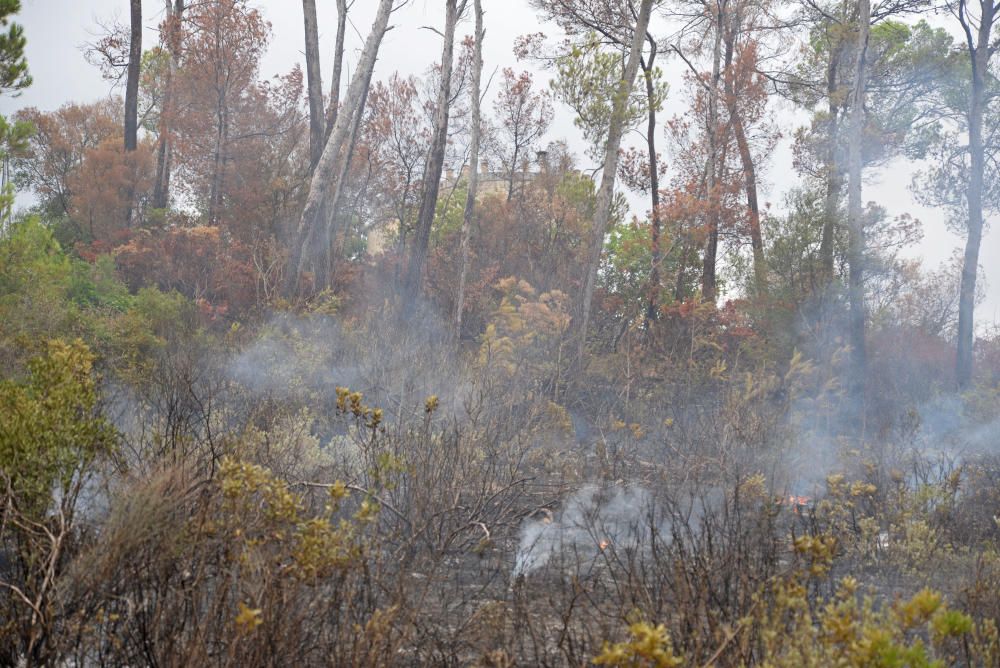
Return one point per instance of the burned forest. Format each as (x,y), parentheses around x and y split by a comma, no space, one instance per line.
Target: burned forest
(500,333)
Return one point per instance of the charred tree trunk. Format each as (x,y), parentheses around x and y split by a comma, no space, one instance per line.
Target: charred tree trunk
(326,171)
(602,210)
(314,82)
(656,253)
(855,211)
(164,149)
(470,197)
(132,96)
(132,76)
(980,50)
(435,164)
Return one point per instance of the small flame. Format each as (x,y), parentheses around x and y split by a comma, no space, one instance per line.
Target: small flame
(796,502)
(604,544)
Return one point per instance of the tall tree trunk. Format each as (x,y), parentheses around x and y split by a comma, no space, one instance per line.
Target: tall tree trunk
(335,234)
(708,277)
(329,213)
(656,253)
(326,169)
(746,163)
(753,208)
(218,162)
(688,247)
(513,172)
(314,82)
(164,149)
(979,48)
(338,233)
(834,181)
(855,211)
(325,260)
(602,210)
(470,197)
(161,182)
(681,273)
(338,67)
(434,165)
(132,97)
(132,76)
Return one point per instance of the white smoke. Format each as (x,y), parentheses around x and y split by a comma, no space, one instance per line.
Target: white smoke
(592,519)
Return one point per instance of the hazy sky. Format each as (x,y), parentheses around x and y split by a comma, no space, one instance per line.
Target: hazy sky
(56,29)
